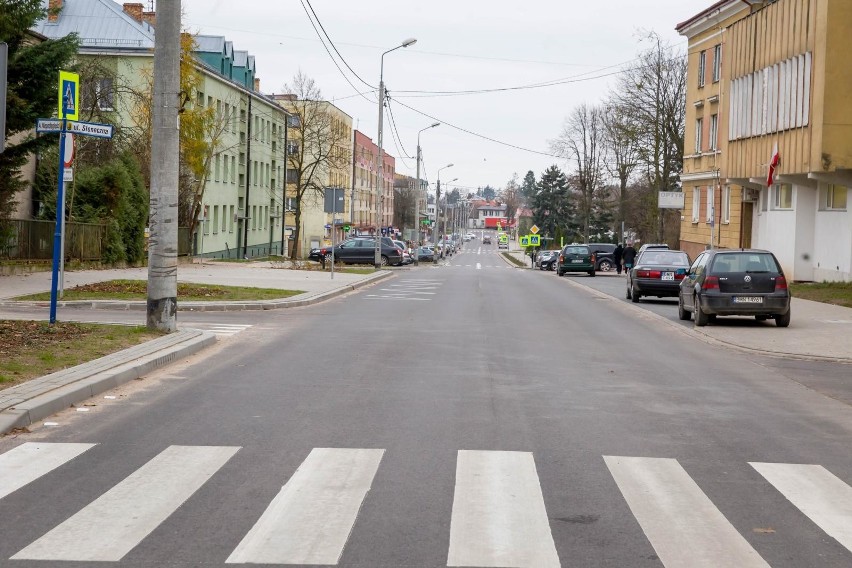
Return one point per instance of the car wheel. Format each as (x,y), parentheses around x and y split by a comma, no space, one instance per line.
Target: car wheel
(551,267)
(605,266)
(783,320)
(682,314)
(701,318)
(592,273)
(384,260)
(327,259)
(635,296)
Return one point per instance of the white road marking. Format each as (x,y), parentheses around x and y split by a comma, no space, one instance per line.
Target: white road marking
(220,329)
(815,491)
(117,521)
(478,266)
(374,297)
(310,519)
(26,463)
(682,524)
(499,518)
(408,291)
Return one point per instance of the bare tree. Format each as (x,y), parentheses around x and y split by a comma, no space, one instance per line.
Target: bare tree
(512,197)
(318,145)
(581,143)
(622,148)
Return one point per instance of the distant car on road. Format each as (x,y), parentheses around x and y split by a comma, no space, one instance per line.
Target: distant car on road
(746,282)
(486,240)
(657,272)
(576,258)
(425,254)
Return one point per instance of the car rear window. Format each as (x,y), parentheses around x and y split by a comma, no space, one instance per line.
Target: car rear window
(670,258)
(576,250)
(745,262)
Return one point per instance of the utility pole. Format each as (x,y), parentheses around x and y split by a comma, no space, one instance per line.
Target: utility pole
(163,243)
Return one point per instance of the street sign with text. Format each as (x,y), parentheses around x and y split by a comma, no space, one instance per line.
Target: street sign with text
(95,129)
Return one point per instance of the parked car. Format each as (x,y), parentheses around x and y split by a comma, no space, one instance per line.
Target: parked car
(657,272)
(486,240)
(359,250)
(746,282)
(647,246)
(604,257)
(407,257)
(546,259)
(575,258)
(425,254)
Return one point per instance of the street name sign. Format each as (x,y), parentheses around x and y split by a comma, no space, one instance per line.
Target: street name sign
(95,129)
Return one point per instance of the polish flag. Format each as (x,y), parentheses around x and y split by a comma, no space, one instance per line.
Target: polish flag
(773,164)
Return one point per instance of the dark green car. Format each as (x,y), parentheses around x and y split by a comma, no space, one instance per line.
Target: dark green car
(575,258)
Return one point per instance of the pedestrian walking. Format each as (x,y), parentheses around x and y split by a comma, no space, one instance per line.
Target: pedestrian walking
(616,256)
(629,256)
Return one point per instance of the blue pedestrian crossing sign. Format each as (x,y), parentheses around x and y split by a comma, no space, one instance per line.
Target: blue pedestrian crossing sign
(69,95)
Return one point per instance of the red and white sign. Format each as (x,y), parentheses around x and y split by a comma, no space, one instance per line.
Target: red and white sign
(69,149)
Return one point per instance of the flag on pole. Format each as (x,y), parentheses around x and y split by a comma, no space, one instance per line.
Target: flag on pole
(773,164)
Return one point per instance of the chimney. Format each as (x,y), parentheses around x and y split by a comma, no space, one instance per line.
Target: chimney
(53,9)
(257,85)
(134,10)
(150,18)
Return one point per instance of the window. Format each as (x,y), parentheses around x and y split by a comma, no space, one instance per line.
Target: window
(292,175)
(225,217)
(711,203)
(215,219)
(699,131)
(233,169)
(225,163)
(217,169)
(98,92)
(290,204)
(717,63)
(702,67)
(783,196)
(696,203)
(714,131)
(232,218)
(835,197)
(726,204)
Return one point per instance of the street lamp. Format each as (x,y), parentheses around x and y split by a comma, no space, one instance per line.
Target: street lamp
(380,159)
(417,195)
(438,214)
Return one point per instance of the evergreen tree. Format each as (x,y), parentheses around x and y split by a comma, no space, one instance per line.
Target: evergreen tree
(528,187)
(489,193)
(32,78)
(552,206)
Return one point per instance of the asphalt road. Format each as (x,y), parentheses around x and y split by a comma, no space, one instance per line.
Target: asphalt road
(471,414)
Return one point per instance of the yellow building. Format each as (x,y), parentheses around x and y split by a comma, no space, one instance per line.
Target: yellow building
(766,85)
(319,156)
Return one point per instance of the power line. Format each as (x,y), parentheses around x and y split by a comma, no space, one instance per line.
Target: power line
(335,48)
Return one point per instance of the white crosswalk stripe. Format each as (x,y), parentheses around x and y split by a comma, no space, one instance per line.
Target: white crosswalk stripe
(309,521)
(680,521)
(29,461)
(220,329)
(414,289)
(815,491)
(113,524)
(498,515)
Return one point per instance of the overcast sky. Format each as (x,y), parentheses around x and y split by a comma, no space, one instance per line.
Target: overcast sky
(461,45)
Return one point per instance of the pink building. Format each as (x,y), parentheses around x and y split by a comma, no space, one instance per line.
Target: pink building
(363,214)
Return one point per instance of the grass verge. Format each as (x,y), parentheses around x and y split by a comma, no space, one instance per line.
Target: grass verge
(30,349)
(513,260)
(138,290)
(837,293)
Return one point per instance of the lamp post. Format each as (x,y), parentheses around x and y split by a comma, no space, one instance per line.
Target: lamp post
(417,195)
(438,215)
(380,159)
(454,207)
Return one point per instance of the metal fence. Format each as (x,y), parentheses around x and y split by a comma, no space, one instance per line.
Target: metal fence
(33,240)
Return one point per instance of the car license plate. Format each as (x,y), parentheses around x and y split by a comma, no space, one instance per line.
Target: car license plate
(577,260)
(668,276)
(748,300)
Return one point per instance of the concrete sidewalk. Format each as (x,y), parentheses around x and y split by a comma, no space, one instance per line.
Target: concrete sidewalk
(29,402)
(818,331)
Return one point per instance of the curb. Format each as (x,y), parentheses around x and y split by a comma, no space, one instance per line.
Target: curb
(58,391)
(196,306)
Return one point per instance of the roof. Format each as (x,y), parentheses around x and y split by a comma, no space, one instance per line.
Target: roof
(99,24)
(210,44)
(240,58)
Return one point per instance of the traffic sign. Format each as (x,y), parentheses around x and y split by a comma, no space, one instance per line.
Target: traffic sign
(67,174)
(534,229)
(535,240)
(525,241)
(95,129)
(69,95)
(346,228)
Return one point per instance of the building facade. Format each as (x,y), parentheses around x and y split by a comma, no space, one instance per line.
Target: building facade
(768,152)
(363,215)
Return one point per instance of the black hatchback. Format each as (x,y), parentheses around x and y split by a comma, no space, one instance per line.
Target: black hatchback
(744,282)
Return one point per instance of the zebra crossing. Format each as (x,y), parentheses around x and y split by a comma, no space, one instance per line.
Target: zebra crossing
(409,289)
(498,516)
(220,330)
